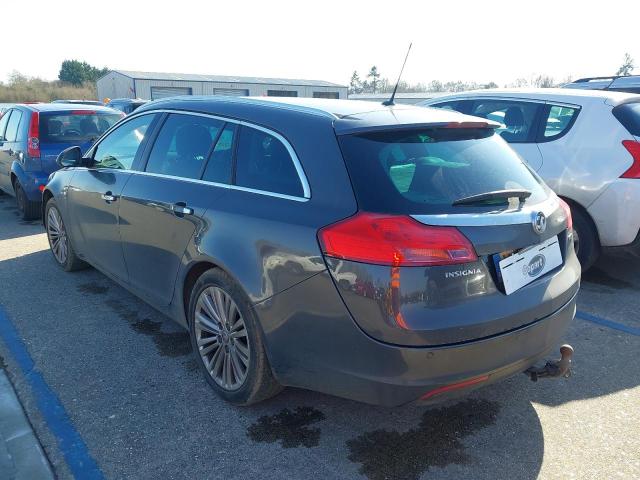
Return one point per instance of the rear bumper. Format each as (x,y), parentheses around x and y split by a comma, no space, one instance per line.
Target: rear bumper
(313,343)
(632,248)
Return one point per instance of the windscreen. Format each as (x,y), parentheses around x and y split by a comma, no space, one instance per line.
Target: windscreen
(628,115)
(74,127)
(425,171)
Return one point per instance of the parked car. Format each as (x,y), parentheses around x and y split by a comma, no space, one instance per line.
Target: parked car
(584,144)
(126,105)
(370,252)
(616,83)
(32,136)
(80,102)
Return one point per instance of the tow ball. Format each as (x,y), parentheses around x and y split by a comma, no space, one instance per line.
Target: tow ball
(553,369)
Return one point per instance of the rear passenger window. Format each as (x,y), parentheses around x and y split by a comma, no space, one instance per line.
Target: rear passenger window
(183,145)
(517,119)
(628,114)
(11,134)
(558,121)
(455,105)
(219,166)
(264,163)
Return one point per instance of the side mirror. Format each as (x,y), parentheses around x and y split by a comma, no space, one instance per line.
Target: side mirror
(70,157)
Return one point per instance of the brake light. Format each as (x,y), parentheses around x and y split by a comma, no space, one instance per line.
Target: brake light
(394,240)
(83,112)
(634,149)
(33,139)
(567,212)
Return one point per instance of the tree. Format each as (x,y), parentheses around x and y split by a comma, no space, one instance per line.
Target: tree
(542,81)
(355,86)
(627,66)
(77,72)
(490,85)
(435,86)
(374,76)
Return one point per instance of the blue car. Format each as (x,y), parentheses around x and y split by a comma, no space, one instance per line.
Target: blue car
(32,136)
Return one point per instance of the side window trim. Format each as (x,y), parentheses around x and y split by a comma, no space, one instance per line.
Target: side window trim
(306,190)
(139,164)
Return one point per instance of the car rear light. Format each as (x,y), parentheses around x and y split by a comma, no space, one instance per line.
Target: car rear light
(33,139)
(41,187)
(395,240)
(567,212)
(634,149)
(83,112)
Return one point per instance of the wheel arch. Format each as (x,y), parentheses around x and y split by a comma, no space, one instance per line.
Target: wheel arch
(193,272)
(577,205)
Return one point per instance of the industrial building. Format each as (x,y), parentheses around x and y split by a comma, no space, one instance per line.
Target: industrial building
(154,85)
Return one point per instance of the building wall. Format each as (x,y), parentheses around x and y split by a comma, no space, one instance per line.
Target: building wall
(115,85)
(143,88)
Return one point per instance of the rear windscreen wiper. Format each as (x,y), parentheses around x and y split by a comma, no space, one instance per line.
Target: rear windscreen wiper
(488,197)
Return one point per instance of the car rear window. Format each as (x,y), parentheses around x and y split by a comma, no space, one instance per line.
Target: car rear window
(629,116)
(425,171)
(74,127)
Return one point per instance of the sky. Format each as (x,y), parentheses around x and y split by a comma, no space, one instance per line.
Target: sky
(478,41)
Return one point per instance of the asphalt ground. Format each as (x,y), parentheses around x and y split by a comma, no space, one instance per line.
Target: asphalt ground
(122,390)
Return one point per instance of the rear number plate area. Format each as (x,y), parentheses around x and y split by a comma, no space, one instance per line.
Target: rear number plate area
(524,267)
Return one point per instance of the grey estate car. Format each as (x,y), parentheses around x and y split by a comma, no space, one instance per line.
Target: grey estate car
(387,254)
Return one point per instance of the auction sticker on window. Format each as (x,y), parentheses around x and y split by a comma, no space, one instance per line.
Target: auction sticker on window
(525,266)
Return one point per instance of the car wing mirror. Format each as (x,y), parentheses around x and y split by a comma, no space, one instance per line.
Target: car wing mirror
(70,157)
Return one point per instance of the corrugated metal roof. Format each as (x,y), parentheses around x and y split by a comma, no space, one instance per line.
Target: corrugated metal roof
(192,77)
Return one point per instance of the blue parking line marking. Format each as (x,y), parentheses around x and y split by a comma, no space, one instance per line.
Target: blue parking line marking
(607,323)
(71,444)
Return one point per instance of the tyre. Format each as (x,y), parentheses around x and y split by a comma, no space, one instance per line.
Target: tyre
(227,341)
(585,238)
(63,253)
(28,209)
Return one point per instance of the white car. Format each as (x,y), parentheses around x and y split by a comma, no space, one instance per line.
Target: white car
(585,144)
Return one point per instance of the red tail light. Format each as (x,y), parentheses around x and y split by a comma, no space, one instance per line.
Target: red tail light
(83,112)
(567,211)
(634,150)
(394,240)
(33,140)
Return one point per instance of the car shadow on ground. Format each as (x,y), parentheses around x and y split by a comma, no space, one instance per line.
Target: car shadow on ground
(494,433)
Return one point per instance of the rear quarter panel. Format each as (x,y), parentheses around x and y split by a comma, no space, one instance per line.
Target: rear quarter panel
(268,244)
(584,162)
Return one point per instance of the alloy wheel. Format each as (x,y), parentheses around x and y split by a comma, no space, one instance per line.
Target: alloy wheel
(221,335)
(57,235)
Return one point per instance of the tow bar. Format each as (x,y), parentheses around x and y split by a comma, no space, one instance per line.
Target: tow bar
(553,369)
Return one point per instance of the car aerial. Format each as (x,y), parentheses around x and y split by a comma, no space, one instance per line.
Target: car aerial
(383,254)
(126,105)
(80,102)
(615,83)
(584,144)
(32,136)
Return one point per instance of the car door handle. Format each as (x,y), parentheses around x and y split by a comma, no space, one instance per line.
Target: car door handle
(181,209)
(109,197)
